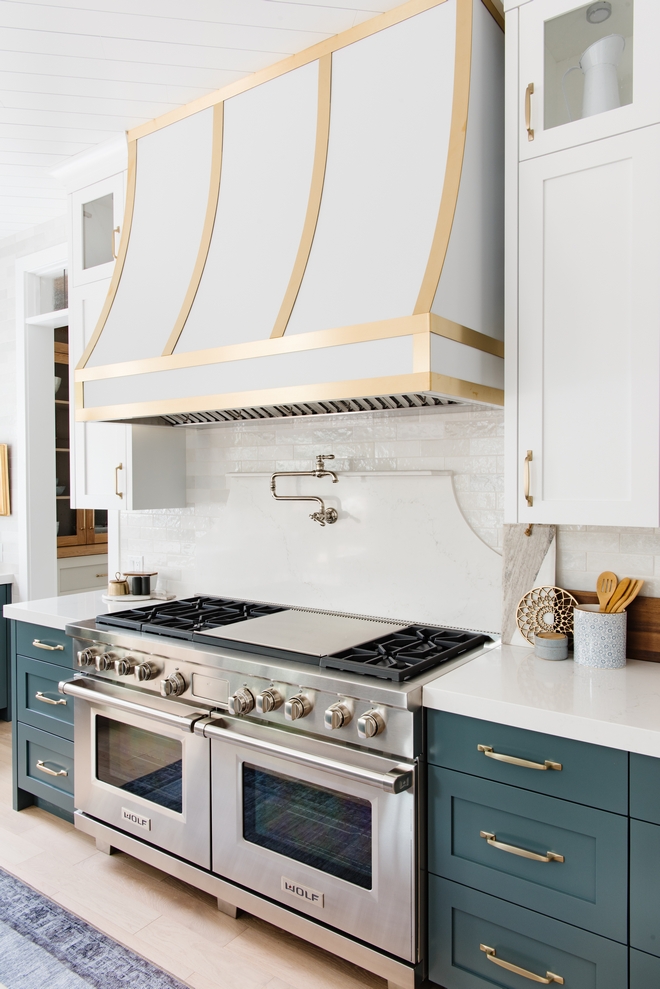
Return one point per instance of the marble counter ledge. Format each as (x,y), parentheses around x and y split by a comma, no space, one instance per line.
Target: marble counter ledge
(60,611)
(511,686)
(7,578)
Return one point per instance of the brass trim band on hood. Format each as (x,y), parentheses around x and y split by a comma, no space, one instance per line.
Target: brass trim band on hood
(315,196)
(423,323)
(121,253)
(421,382)
(455,155)
(207,230)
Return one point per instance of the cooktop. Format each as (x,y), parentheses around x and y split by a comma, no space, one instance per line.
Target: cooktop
(392,651)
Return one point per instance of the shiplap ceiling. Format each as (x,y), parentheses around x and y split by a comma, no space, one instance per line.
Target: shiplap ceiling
(74,75)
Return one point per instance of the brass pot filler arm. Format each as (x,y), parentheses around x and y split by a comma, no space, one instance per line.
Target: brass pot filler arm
(324,516)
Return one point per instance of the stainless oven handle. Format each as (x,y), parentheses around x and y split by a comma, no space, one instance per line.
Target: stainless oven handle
(75,688)
(395,781)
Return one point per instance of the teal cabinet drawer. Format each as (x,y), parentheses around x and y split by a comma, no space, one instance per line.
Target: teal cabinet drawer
(645,788)
(588,889)
(38,701)
(461,920)
(644,970)
(645,886)
(590,774)
(45,765)
(50,645)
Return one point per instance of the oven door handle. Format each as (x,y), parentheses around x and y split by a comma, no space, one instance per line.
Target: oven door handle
(394,781)
(76,688)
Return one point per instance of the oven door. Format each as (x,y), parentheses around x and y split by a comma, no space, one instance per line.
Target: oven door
(140,768)
(323,829)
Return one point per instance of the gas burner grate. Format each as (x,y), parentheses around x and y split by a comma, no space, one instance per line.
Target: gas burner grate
(405,654)
(181,619)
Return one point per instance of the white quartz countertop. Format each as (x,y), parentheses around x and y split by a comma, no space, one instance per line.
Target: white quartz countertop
(6,578)
(511,686)
(58,612)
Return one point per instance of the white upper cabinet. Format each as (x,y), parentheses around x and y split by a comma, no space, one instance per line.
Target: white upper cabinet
(96,220)
(586,72)
(589,335)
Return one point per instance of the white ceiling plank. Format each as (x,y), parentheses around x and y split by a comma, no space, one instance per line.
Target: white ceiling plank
(122,49)
(330,17)
(83,104)
(21,196)
(34,159)
(95,121)
(143,73)
(53,147)
(90,26)
(35,132)
(95,88)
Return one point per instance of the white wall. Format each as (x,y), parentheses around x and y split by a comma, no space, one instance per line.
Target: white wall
(28,242)
(467,441)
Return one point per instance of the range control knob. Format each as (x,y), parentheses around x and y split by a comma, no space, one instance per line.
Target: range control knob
(296,707)
(86,657)
(104,661)
(370,723)
(173,685)
(269,700)
(146,671)
(242,702)
(124,667)
(337,716)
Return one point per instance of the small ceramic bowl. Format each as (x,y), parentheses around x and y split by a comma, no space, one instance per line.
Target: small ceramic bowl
(551,645)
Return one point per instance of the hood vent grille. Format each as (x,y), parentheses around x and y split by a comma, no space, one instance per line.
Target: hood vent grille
(379,403)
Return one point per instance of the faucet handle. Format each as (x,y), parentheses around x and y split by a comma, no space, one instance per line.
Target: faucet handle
(321,457)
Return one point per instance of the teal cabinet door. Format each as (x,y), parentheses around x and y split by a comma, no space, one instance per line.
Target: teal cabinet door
(482,834)
(645,887)
(464,923)
(589,774)
(45,766)
(50,645)
(645,788)
(39,702)
(644,970)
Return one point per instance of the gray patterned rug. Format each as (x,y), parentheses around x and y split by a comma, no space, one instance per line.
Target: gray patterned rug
(43,946)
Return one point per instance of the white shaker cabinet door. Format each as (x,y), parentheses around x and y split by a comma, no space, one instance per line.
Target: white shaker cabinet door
(582,80)
(589,334)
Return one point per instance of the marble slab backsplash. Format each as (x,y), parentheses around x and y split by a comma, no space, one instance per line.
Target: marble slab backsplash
(468,441)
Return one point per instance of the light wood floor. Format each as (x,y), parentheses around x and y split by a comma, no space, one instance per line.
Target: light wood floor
(173,925)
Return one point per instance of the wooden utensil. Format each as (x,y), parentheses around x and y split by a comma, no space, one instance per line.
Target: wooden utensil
(621,589)
(630,596)
(605,587)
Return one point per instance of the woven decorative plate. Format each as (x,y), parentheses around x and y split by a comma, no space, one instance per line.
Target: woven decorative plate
(545,609)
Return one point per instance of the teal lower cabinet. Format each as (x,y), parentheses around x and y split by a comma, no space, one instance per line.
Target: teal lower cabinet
(645,788)
(479,941)
(644,970)
(42,726)
(46,766)
(645,886)
(557,858)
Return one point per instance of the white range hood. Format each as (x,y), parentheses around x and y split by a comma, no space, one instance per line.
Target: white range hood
(325,235)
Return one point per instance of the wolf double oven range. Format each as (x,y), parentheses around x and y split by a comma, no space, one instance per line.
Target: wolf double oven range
(271,756)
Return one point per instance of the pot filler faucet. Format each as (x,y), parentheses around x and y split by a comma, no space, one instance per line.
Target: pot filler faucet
(324,516)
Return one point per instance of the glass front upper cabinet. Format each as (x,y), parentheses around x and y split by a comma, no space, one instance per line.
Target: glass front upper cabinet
(586,72)
(98,231)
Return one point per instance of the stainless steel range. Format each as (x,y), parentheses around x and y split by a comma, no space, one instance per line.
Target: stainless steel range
(272,756)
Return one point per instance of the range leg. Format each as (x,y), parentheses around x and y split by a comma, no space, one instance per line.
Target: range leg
(227,908)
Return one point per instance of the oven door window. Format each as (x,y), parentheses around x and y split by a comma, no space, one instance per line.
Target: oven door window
(327,830)
(140,762)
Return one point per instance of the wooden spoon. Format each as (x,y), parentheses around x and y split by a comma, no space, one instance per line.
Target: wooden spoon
(605,587)
(621,589)
(632,593)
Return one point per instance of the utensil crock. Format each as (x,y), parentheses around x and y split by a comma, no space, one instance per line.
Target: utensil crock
(599,638)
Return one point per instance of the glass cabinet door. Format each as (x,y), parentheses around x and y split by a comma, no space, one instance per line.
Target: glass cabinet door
(587,71)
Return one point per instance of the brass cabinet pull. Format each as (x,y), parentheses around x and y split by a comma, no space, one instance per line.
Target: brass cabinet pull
(41,765)
(528,111)
(101,574)
(514,761)
(528,497)
(532,976)
(114,249)
(48,700)
(119,493)
(44,645)
(514,850)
